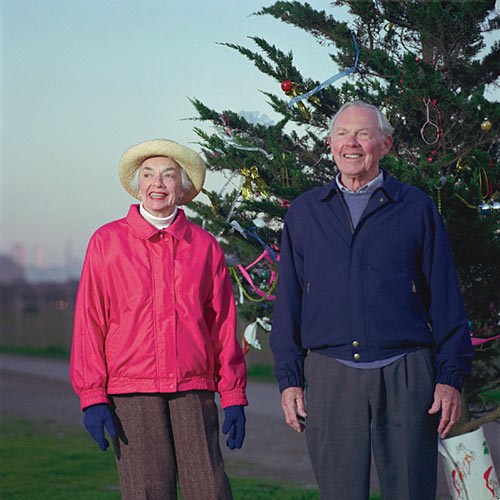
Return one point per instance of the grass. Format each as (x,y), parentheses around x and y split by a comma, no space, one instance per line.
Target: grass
(49,461)
(262,372)
(51,351)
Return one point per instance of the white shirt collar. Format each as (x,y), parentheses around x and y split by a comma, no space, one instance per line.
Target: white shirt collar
(158,222)
(367,188)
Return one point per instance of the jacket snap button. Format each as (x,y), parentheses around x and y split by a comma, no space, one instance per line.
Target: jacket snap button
(356,356)
(355,343)
(381,200)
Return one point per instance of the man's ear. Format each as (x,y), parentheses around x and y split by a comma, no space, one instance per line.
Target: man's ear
(330,141)
(387,144)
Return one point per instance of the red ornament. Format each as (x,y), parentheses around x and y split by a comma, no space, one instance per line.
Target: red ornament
(429,159)
(286,85)
(417,58)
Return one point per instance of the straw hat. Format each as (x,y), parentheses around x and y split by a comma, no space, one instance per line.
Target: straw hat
(187,159)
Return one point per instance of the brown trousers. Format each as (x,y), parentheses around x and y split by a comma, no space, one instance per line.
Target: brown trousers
(162,437)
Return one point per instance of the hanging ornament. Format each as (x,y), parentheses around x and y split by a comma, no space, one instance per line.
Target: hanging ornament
(495,205)
(389,26)
(263,295)
(440,185)
(461,165)
(235,226)
(250,336)
(483,208)
(265,323)
(291,89)
(286,86)
(330,80)
(252,176)
(438,130)
(486,125)
(284,173)
(259,221)
(245,345)
(483,180)
(230,139)
(213,207)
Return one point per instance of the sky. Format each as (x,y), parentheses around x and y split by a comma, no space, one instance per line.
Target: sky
(83,80)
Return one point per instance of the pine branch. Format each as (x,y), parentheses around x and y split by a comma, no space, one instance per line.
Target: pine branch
(319,24)
(475,423)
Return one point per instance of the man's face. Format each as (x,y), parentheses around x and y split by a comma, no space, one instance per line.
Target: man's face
(160,185)
(357,144)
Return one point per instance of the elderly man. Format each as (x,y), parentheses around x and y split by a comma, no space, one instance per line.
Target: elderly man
(369,312)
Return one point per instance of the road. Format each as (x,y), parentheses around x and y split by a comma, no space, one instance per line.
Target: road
(39,389)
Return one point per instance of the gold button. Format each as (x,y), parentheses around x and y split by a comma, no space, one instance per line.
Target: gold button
(355,343)
(356,356)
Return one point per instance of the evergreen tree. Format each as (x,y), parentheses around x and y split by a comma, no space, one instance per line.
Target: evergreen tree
(420,62)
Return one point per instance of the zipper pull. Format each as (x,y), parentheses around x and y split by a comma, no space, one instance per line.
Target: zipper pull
(413,286)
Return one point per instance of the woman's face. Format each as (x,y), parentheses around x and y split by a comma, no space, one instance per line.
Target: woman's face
(160,185)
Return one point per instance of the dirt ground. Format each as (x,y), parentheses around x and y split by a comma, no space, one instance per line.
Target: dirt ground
(39,389)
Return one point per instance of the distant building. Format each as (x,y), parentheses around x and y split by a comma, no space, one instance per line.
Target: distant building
(10,271)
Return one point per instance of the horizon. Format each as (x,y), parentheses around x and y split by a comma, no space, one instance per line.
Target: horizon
(82,82)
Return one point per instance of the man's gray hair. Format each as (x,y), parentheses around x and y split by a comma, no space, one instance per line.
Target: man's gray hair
(383,123)
(186,183)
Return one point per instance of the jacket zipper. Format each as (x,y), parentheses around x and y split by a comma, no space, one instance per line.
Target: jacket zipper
(347,213)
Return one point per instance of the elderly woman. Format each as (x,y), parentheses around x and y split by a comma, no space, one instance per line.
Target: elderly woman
(154,335)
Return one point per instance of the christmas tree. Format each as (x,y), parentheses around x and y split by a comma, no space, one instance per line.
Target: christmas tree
(423,64)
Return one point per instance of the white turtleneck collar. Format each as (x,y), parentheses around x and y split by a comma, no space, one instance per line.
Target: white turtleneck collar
(158,222)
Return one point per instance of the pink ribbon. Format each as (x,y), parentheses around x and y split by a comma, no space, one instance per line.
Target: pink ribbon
(478,341)
(243,271)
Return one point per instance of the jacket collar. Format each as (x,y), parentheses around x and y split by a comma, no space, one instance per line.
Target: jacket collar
(391,186)
(144,230)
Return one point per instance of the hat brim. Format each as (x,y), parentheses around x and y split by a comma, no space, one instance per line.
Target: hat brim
(188,160)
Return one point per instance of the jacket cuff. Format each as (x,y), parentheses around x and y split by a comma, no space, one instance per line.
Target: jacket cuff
(290,381)
(235,397)
(92,397)
(455,380)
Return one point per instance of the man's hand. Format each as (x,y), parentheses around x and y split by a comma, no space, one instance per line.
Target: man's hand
(292,402)
(447,399)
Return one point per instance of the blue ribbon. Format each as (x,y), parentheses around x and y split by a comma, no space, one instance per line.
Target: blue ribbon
(270,251)
(330,80)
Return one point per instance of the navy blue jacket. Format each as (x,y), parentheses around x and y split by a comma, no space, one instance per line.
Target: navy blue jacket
(388,287)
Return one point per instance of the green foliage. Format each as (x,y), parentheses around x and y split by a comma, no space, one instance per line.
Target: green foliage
(419,62)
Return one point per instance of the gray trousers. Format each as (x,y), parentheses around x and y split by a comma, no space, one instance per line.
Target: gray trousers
(351,410)
(162,437)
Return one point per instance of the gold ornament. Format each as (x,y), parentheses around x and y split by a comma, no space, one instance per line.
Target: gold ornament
(461,165)
(213,207)
(251,175)
(486,125)
(296,91)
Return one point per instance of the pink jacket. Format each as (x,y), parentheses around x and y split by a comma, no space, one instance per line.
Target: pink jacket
(155,313)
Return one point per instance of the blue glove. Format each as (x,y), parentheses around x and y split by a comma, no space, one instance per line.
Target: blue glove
(234,423)
(96,417)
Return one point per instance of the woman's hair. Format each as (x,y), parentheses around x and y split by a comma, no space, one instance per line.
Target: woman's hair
(186,183)
(383,123)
